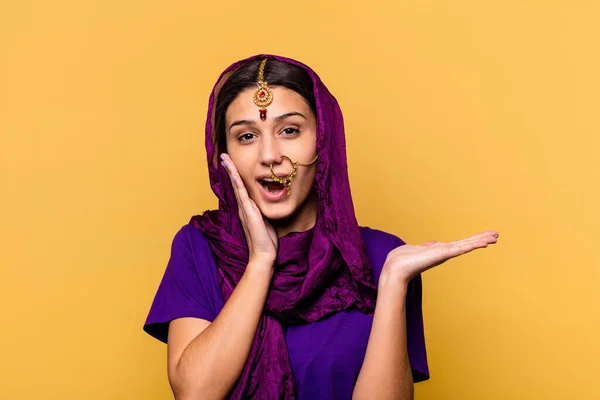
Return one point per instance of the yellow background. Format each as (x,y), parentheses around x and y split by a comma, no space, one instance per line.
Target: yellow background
(461,116)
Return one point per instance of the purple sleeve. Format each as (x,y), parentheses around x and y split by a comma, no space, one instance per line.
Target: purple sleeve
(189,286)
(415,333)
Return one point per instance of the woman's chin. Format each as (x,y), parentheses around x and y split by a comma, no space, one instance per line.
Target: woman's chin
(277,213)
(287,212)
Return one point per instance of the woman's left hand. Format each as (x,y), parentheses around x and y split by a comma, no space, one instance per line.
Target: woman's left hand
(405,262)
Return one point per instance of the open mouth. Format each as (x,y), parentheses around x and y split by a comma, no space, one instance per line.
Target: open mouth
(271,186)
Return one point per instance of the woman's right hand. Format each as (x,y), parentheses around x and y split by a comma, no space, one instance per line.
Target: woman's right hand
(260,234)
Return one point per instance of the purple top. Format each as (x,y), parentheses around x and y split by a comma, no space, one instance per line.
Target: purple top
(326,356)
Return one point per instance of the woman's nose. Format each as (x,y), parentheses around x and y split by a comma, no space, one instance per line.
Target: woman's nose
(269,151)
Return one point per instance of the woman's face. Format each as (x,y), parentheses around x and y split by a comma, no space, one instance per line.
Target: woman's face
(290,129)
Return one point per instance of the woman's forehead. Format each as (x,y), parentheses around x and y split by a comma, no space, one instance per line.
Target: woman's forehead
(285,101)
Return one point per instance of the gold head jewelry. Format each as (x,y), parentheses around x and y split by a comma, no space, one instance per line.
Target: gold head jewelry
(263,96)
(287,180)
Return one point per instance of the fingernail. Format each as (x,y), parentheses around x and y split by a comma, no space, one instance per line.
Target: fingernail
(234,178)
(496,236)
(222,156)
(224,164)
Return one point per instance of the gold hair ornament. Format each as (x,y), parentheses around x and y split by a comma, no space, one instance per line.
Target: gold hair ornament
(263,96)
(287,180)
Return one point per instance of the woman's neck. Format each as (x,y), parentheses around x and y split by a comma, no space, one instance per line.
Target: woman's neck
(303,219)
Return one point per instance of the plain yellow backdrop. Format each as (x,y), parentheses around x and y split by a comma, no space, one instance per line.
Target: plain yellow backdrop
(460,116)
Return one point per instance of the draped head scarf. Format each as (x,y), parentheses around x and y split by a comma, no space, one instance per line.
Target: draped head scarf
(317,272)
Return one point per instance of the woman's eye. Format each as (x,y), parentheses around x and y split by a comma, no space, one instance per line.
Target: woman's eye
(246,137)
(291,131)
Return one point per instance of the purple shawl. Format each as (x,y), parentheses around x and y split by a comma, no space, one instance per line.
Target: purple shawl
(317,272)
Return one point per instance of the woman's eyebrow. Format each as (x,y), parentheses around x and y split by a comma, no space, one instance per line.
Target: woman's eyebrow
(242,122)
(277,119)
(287,115)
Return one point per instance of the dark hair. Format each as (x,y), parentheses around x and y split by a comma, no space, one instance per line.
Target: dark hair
(277,73)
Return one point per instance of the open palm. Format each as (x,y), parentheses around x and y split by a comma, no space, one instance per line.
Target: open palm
(407,261)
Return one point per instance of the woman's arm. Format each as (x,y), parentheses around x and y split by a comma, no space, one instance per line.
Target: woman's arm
(204,362)
(386,372)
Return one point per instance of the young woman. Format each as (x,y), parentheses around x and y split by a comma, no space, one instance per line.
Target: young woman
(279,294)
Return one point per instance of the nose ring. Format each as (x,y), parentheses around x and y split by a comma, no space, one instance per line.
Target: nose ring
(287,180)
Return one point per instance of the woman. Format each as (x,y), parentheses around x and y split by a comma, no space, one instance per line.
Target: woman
(279,294)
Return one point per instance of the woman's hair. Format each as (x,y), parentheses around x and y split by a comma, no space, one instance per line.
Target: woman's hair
(277,73)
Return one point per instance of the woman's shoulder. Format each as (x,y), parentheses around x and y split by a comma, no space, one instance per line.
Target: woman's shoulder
(378,244)
(378,239)
(192,244)
(190,235)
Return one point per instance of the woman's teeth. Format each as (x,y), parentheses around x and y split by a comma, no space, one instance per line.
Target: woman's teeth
(271,186)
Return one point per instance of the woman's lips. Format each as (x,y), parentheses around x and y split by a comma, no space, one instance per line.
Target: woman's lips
(272,196)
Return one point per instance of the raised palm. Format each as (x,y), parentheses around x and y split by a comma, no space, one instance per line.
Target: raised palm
(407,261)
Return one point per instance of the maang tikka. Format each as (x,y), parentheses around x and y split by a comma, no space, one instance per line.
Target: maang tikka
(263,97)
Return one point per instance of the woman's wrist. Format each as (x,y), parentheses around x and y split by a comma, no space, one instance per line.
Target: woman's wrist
(389,283)
(261,265)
